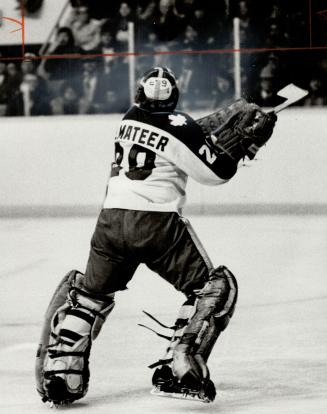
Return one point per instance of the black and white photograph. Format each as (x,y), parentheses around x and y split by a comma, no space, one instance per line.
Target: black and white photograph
(163,206)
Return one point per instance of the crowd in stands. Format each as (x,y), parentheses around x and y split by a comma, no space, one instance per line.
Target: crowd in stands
(85,69)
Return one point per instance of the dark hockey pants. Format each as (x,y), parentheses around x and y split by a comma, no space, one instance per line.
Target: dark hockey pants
(164,241)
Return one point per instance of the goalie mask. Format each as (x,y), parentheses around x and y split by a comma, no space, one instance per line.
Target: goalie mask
(157,90)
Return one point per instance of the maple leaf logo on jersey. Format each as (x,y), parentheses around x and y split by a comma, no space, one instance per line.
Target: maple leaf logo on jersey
(177,120)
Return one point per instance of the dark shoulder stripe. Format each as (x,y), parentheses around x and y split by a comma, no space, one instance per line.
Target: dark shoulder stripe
(178,124)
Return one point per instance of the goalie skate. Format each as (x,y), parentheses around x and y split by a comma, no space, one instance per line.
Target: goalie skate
(165,384)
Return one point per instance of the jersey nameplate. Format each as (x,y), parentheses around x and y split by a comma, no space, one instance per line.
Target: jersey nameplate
(140,135)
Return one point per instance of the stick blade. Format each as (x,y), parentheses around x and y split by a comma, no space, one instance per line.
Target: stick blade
(292,93)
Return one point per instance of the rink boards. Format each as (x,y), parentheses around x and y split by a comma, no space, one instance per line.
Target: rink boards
(60,165)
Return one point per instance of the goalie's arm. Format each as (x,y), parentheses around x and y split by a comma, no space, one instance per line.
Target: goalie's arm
(199,159)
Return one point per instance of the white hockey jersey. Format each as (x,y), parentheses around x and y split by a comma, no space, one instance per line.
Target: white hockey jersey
(154,155)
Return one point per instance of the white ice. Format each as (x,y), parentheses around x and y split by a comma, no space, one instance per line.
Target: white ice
(271,359)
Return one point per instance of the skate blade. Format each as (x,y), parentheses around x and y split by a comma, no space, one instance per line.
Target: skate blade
(51,404)
(56,405)
(180,396)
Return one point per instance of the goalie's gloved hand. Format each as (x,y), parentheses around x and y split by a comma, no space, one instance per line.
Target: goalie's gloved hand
(256,135)
(244,132)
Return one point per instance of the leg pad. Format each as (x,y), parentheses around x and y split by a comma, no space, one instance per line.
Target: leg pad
(214,307)
(73,320)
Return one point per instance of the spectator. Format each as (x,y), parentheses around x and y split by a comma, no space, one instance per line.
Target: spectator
(32,96)
(185,8)
(190,84)
(4,88)
(61,69)
(275,11)
(244,14)
(266,94)
(125,15)
(98,9)
(166,24)
(248,30)
(144,20)
(276,36)
(14,77)
(113,70)
(28,65)
(107,47)
(274,61)
(162,56)
(317,93)
(145,10)
(119,82)
(151,42)
(297,24)
(223,91)
(67,103)
(31,99)
(91,87)
(209,19)
(191,39)
(277,65)
(86,31)
(201,22)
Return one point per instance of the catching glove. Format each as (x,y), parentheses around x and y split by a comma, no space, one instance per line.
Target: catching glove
(244,132)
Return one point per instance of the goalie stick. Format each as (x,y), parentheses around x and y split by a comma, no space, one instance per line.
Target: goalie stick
(211,122)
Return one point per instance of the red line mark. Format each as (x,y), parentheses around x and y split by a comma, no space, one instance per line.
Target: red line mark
(184,52)
(13,20)
(20,23)
(178,52)
(323,14)
(23,26)
(14,31)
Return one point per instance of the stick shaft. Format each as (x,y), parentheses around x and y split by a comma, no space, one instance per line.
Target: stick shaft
(282,106)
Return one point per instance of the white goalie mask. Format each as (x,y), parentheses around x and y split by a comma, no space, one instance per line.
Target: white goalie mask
(157,90)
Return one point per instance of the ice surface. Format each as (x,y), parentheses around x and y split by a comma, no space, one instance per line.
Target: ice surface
(271,359)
